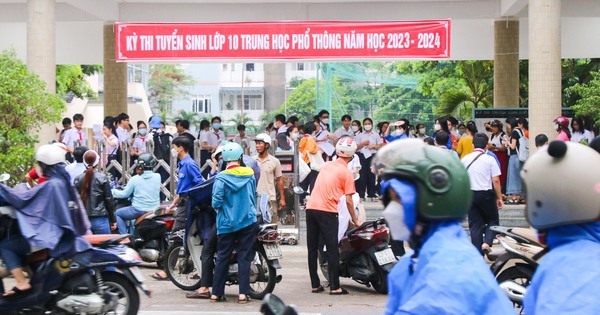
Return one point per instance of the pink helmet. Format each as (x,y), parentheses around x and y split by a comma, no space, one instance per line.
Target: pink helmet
(562,121)
(345,147)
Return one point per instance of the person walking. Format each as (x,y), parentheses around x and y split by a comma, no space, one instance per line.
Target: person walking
(484,175)
(234,199)
(270,170)
(322,216)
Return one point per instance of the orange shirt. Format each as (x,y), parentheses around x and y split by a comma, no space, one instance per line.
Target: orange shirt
(334,181)
(307,145)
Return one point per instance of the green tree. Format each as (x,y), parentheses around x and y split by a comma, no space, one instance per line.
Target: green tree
(302,101)
(70,78)
(589,102)
(167,82)
(25,106)
(190,116)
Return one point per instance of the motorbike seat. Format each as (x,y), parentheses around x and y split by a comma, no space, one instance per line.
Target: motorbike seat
(38,255)
(526,233)
(142,217)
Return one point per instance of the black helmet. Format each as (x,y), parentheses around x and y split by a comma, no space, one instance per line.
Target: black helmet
(146,161)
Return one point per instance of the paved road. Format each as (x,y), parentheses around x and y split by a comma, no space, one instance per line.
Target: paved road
(293,289)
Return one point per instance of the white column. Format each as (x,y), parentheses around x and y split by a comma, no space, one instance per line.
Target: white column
(41,51)
(545,90)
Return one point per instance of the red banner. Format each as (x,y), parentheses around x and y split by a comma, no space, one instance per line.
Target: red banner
(283,40)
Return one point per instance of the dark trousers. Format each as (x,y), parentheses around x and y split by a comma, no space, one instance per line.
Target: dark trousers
(207,257)
(243,242)
(483,215)
(180,213)
(308,181)
(204,155)
(323,225)
(366,182)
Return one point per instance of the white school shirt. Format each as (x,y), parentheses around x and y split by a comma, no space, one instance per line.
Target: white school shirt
(481,171)
(73,135)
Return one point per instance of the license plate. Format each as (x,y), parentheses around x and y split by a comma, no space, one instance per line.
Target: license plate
(272,251)
(137,274)
(385,257)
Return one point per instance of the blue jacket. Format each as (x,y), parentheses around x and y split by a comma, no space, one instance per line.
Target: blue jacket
(189,175)
(450,277)
(234,199)
(567,281)
(391,138)
(145,189)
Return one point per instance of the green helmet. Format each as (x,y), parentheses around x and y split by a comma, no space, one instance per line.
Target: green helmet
(441,180)
(146,161)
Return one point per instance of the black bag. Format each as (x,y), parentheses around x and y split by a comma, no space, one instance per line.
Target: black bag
(162,145)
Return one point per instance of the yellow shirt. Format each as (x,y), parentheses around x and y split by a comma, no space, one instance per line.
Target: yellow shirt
(465,146)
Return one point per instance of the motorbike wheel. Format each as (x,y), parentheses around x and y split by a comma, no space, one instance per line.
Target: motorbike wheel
(516,275)
(180,268)
(266,276)
(380,282)
(129,298)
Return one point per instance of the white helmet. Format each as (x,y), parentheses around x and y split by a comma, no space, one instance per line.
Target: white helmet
(50,154)
(217,151)
(264,138)
(345,147)
(572,195)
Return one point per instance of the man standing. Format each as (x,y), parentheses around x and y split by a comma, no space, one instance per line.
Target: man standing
(122,129)
(281,128)
(335,181)
(66,122)
(484,175)
(242,139)
(270,169)
(73,135)
(184,131)
(345,129)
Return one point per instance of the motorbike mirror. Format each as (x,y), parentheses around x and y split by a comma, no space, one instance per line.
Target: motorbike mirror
(4,177)
(298,190)
(272,305)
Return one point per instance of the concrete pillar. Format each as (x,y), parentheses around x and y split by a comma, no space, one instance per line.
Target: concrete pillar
(41,52)
(506,63)
(115,76)
(274,85)
(545,91)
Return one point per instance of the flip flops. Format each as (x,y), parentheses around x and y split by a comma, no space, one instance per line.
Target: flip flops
(245,300)
(218,299)
(17,293)
(343,292)
(198,295)
(158,277)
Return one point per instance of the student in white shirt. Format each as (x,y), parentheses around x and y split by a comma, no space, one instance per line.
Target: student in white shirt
(122,131)
(74,134)
(580,134)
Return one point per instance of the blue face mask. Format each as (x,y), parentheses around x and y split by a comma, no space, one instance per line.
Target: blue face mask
(143,131)
(217,125)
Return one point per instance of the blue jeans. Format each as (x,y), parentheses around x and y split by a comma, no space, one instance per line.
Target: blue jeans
(127,213)
(513,185)
(13,250)
(225,245)
(100,225)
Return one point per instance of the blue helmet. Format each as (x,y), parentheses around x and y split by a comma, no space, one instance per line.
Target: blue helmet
(232,152)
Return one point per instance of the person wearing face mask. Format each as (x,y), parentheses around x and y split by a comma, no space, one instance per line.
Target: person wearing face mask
(323,134)
(397,131)
(426,193)
(292,135)
(441,124)
(561,125)
(215,135)
(368,142)
(345,129)
(421,132)
(138,145)
(356,127)
(189,176)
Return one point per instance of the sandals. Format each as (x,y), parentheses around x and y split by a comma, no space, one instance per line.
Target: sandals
(198,295)
(245,300)
(218,299)
(17,293)
(512,201)
(158,277)
(318,290)
(343,292)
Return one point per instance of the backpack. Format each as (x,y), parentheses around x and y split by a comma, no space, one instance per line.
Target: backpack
(522,146)
(162,145)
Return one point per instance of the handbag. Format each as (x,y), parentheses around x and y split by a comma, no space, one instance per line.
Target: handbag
(316,161)
(303,169)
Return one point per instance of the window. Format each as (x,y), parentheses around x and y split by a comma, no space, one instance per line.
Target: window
(202,104)
(298,66)
(249,67)
(225,66)
(251,102)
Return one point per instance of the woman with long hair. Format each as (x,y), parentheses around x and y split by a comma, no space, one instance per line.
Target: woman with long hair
(94,189)
(497,146)
(465,143)
(580,133)
(441,124)
(513,186)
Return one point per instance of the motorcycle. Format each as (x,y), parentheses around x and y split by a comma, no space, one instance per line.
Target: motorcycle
(183,265)
(520,246)
(100,280)
(151,233)
(365,255)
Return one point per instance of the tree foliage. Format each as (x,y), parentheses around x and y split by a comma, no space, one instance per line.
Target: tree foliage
(70,79)
(25,106)
(302,101)
(588,103)
(167,82)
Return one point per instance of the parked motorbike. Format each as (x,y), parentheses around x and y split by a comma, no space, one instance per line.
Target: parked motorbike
(365,255)
(151,233)
(523,251)
(184,266)
(101,280)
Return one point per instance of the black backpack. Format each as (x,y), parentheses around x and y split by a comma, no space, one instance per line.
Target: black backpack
(162,145)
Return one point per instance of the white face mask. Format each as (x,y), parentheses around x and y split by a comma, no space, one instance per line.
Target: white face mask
(437,127)
(174,152)
(355,128)
(556,127)
(325,121)
(294,136)
(412,132)
(394,216)
(399,132)
(368,127)
(422,131)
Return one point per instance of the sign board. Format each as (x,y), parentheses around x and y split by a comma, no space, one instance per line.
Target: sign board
(283,40)
(481,116)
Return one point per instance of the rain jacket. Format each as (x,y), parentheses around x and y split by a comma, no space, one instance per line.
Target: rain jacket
(234,199)
(145,189)
(567,281)
(50,215)
(450,277)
